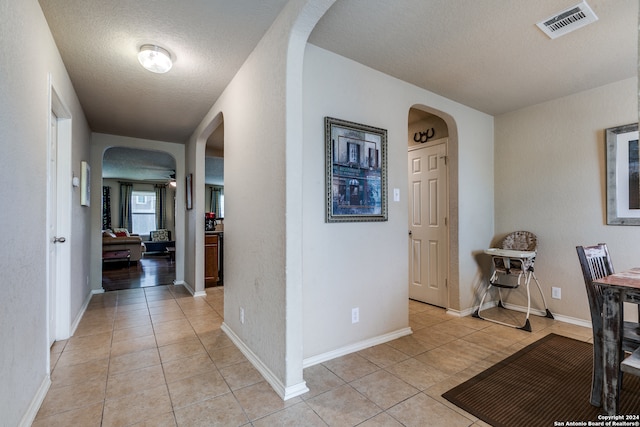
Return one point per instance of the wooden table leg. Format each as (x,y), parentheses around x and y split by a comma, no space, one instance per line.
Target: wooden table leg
(612,348)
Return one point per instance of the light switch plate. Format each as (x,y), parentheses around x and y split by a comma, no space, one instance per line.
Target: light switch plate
(396,194)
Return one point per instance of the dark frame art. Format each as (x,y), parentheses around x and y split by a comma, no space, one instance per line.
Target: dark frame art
(623,175)
(356,172)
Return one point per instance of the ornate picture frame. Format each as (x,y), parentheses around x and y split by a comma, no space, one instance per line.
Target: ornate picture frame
(623,175)
(356,172)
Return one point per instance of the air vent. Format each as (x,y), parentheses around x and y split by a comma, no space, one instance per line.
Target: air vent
(568,20)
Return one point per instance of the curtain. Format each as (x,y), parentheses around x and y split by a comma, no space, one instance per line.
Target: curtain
(106,208)
(126,189)
(161,210)
(216,192)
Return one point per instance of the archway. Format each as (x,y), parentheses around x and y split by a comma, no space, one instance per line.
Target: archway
(138,218)
(100,143)
(432,272)
(209,148)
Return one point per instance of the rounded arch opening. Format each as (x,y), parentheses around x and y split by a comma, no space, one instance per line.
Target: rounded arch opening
(427,126)
(138,194)
(208,197)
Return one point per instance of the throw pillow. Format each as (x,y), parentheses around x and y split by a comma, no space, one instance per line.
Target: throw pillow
(121,230)
(160,236)
(108,233)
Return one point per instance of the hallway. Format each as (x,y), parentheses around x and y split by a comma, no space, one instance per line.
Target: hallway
(156,356)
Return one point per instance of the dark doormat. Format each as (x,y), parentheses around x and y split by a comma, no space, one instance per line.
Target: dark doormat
(547,383)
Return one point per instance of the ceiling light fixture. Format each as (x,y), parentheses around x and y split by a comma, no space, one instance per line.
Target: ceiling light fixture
(154,58)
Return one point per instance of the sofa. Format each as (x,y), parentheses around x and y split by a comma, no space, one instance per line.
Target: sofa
(159,241)
(113,240)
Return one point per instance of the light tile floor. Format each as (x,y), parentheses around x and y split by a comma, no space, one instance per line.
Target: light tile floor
(157,357)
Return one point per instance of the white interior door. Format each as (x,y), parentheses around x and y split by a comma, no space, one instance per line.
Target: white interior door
(59,212)
(428,234)
(53,229)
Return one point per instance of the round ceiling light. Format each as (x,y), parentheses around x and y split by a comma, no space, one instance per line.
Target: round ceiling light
(154,58)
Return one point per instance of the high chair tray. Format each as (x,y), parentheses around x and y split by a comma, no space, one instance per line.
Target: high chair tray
(510,253)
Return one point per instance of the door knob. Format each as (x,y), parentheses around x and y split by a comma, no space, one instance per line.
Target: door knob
(410,232)
(59,240)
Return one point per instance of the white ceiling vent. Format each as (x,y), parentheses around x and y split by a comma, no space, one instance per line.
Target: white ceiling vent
(568,20)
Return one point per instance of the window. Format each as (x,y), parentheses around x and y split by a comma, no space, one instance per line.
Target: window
(143,212)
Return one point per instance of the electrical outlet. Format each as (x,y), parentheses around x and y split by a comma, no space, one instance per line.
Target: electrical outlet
(355,315)
(556,293)
(242,315)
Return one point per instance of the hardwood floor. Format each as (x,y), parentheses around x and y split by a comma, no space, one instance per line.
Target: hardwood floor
(151,270)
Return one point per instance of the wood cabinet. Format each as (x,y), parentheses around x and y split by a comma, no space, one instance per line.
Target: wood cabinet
(211,256)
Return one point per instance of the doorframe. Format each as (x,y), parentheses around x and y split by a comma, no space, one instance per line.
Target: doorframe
(63,223)
(445,142)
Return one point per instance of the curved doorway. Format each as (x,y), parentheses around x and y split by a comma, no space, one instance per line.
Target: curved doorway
(138,218)
(428,208)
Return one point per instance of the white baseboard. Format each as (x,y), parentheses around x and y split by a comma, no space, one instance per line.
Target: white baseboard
(186,286)
(456,313)
(36,402)
(351,348)
(538,312)
(573,320)
(285,392)
(189,288)
(76,321)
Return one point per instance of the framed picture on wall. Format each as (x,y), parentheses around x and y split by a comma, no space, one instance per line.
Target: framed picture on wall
(189,193)
(85,184)
(623,175)
(356,172)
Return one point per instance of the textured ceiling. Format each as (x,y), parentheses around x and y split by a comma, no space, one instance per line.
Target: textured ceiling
(208,40)
(487,54)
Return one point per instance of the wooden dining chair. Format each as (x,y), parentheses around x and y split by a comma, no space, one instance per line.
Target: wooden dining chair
(596,264)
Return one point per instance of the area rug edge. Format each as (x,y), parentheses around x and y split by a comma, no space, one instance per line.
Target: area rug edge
(450,394)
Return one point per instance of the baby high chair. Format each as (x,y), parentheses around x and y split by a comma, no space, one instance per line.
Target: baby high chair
(514,259)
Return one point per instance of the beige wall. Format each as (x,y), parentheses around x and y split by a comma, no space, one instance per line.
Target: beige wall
(550,179)
(365,265)
(263,198)
(30,64)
